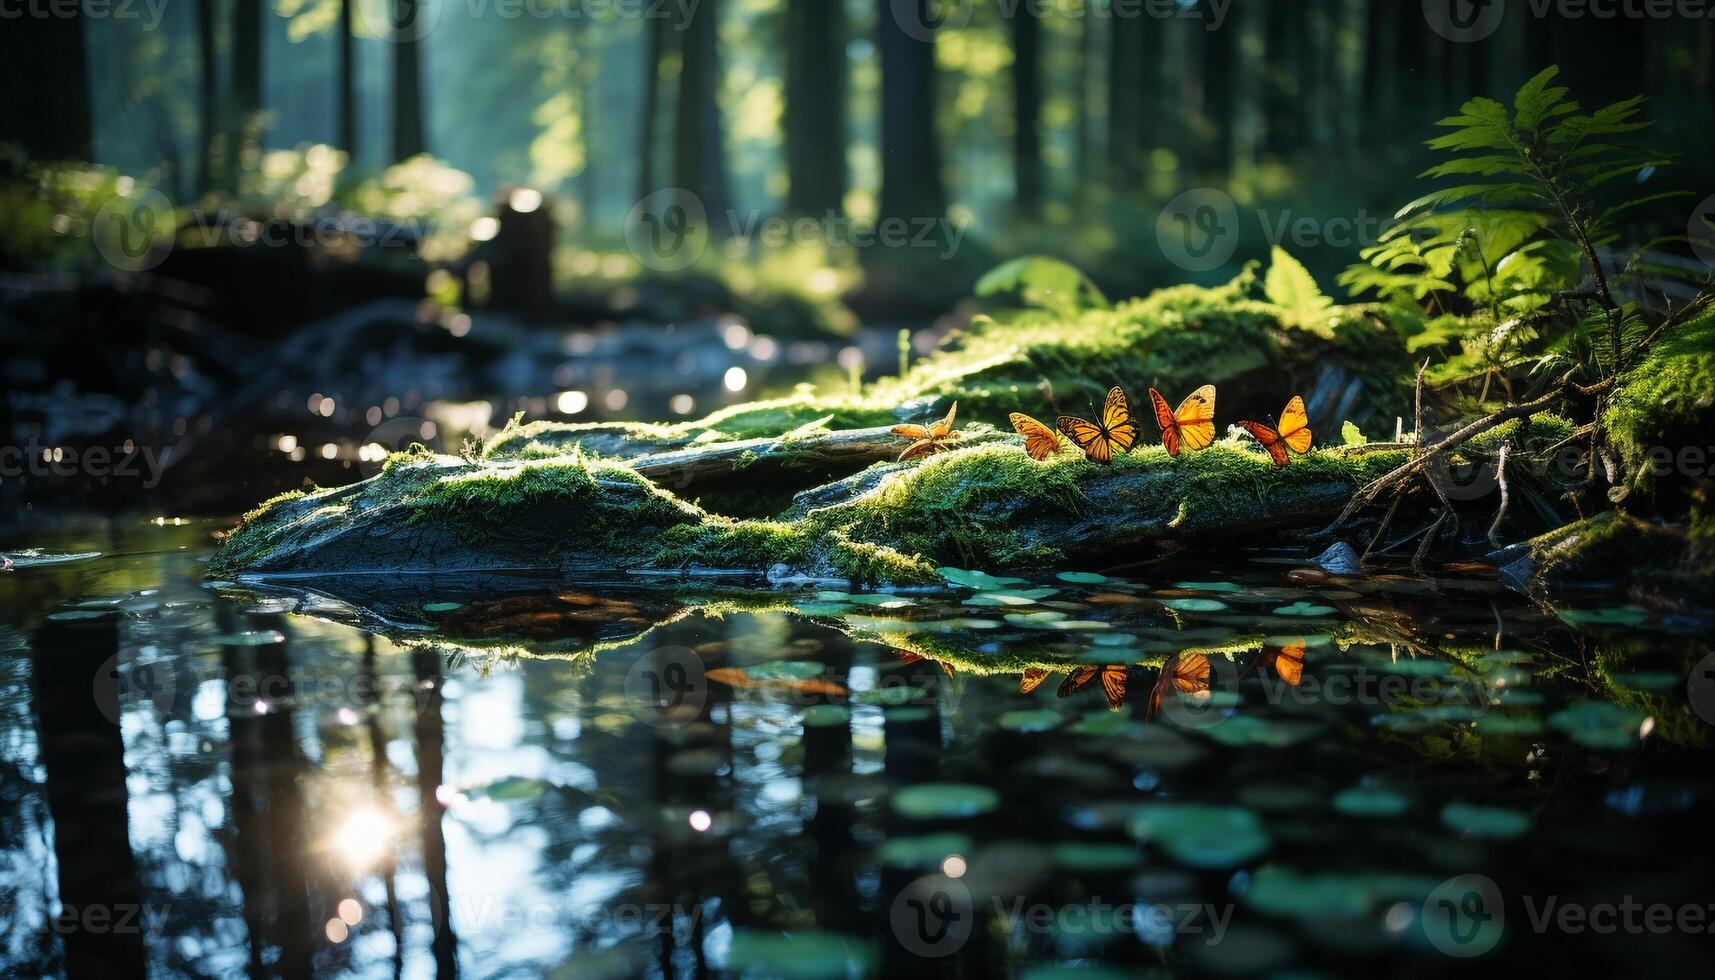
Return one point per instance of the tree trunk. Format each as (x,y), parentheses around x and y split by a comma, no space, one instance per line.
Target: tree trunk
(911,180)
(815,129)
(655,45)
(347,86)
(244,128)
(408,138)
(42,70)
(1126,102)
(699,154)
(1215,130)
(1083,171)
(1027,112)
(208,101)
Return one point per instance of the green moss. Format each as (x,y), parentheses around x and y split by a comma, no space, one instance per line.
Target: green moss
(1667,400)
(727,544)
(1039,362)
(601,507)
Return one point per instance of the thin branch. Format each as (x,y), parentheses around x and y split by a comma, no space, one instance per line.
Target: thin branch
(1500,515)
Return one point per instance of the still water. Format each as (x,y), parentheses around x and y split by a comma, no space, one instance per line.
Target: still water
(1238,767)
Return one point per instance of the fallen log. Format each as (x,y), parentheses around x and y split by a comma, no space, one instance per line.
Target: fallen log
(983,506)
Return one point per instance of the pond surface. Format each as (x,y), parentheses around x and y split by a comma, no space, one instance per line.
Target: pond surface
(1243,766)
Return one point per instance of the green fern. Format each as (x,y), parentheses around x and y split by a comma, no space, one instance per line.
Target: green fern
(1523,220)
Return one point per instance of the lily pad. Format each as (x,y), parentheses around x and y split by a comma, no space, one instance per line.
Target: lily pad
(1040,720)
(1209,586)
(1611,616)
(979,581)
(1194,605)
(921,852)
(944,801)
(1370,801)
(1599,724)
(1486,822)
(1082,578)
(1199,835)
(1305,609)
(805,955)
(442,607)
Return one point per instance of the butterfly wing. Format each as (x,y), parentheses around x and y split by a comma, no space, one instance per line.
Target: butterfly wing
(1169,425)
(1195,418)
(912,432)
(1040,441)
(1088,437)
(1113,685)
(944,428)
(1076,680)
(1032,680)
(1295,426)
(1289,664)
(1118,425)
(1270,440)
(921,447)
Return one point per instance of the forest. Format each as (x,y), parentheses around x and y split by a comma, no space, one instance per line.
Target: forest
(601,487)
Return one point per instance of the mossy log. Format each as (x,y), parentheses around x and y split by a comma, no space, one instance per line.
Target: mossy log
(984,506)
(1346,363)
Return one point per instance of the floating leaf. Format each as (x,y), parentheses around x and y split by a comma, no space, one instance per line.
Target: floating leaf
(1486,822)
(1082,578)
(1194,605)
(1039,720)
(826,715)
(806,955)
(1199,835)
(1370,801)
(442,607)
(1599,724)
(978,581)
(1305,609)
(921,852)
(944,801)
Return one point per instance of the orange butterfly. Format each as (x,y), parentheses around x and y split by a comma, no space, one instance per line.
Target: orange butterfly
(927,439)
(1113,683)
(1040,441)
(1031,680)
(1288,663)
(1186,673)
(1293,434)
(1193,425)
(1116,432)
(911,657)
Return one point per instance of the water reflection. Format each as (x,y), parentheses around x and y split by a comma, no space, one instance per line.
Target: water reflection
(505,776)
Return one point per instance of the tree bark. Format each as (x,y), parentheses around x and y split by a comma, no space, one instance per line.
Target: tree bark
(1127,103)
(699,152)
(346,92)
(815,124)
(655,45)
(408,133)
(248,36)
(1027,112)
(911,181)
(208,101)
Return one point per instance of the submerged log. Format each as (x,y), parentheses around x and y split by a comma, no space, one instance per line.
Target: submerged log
(983,506)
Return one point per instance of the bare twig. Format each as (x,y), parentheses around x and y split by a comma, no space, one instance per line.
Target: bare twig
(1500,515)
(1428,540)
(1381,528)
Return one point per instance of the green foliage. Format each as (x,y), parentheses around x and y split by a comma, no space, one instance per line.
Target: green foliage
(1512,232)
(1044,283)
(1290,286)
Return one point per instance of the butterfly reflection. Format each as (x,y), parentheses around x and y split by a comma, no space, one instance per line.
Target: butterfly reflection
(1185,673)
(1287,663)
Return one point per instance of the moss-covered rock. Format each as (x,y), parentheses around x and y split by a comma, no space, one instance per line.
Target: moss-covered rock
(1666,404)
(1613,551)
(1038,362)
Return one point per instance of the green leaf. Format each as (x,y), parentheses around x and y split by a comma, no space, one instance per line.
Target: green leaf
(1290,285)
(1350,435)
(1043,283)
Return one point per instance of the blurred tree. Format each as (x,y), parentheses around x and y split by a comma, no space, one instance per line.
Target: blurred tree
(208,100)
(699,153)
(244,128)
(654,50)
(346,84)
(1127,100)
(1215,107)
(408,138)
(911,181)
(1027,112)
(815,123)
